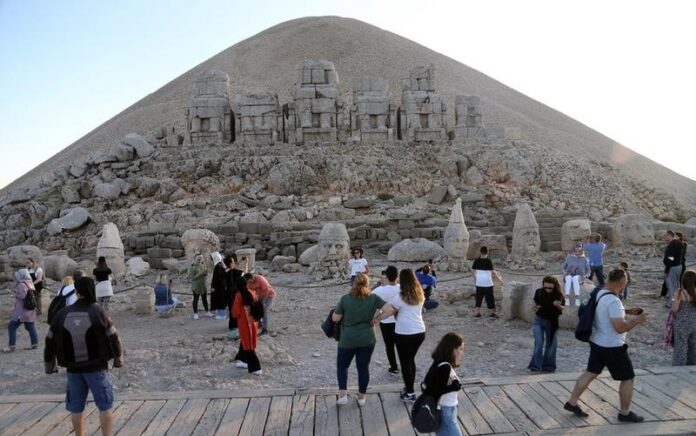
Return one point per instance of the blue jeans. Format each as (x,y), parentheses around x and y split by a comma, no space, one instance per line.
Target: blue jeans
(362,360)
(624,294)
(544,357)
(448,422)
(597,270)
(12,327)
(81,383)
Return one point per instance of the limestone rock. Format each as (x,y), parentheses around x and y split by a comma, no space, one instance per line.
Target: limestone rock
(290,177)
(574,232)
(147,187)
(633,229)
(111,247)
(70,219)
(456,237)
(175,265)
(309,256)
(246,255)
(691,221)
(123,152)
(526,243)
(139,144)
(70,193)
(78,169)
(18,255)
(144,300)
(291,268)
(199,241)
(136,266)
(358,203)
(111,190)
(279,262)
(437,194)
(415,250)
(58,266)
(497,245)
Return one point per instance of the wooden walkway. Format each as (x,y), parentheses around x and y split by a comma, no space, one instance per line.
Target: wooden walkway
(666,397)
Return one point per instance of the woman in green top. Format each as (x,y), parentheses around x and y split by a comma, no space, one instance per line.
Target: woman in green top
(355,311)
(197,273)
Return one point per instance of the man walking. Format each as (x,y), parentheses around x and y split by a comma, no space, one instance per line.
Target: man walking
(673,264)
(83,340)
(595,253)
(608,347)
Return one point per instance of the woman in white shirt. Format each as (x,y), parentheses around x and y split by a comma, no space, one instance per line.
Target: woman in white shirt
(409,329)
(441,381)
(358,265)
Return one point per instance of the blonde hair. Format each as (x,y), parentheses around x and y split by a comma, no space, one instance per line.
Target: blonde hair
(411,290)
(361,287)
(67,280)
(162,279)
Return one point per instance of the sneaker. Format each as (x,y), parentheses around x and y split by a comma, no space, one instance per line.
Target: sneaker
(9,349)
(258,373)
(233,334)
(195,316)
(408,398)
(240,364)
(219,317)
(534,369)
(342,400)
(209,314)
(577,302)
(393,371)
(361,401)
(576,410)
(631,417)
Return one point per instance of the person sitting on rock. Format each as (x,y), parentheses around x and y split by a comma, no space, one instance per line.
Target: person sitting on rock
(428,282)
(165,302)
(575,268)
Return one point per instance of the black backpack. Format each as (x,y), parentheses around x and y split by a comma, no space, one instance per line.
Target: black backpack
(58,303)
(586,313)
(425,416)
(256,310)
(30,300)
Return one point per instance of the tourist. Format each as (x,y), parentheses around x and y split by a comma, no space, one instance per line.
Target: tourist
(575,268)
(232,275)
(484,273)
(684,307)
(409,329)
(264,292)
(608,347)
(355,311)
(548,307)
(442,382)
(68,288)
(428,282)
(672,261)
(624,267)
(104,290)
(197,274)
(358,264)
(83,339)
(387,292)
(595,253)
(37,277)
(218,287)
(382,280)
(685,248)
(248,328)
(20,315)
(165,302)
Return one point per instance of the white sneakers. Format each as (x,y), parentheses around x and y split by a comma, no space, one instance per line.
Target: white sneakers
(258,373)
(577,302)
(219,317)
(361,401)
(240,364)
(209,314)
(342,400)
(195,316)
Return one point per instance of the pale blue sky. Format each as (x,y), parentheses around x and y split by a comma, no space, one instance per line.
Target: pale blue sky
(625,68)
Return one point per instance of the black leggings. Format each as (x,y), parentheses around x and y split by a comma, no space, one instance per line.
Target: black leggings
(407,347)
(485,291)
(204,297)
(249,357)
(388,337)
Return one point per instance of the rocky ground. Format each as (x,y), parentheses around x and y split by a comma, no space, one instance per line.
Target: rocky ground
(179,353)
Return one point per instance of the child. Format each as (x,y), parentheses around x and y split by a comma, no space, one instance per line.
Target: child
(624,266)
(442,382)
(483,271)
(358,264)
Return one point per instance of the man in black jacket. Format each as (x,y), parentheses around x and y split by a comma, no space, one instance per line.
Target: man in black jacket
(673,264)
(83,340)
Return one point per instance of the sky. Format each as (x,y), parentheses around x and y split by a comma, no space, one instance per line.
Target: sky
(625,68)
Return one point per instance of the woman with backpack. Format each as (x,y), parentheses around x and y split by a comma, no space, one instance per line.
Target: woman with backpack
(24,311)
(248,327)
(442,382)
(548,307)
(102,276)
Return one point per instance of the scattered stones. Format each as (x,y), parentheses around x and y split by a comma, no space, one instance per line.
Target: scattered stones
(279,262)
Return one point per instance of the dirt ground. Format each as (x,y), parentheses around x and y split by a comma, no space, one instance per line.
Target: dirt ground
(179,353)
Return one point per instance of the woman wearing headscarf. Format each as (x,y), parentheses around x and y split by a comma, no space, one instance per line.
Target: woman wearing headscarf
(20,315)
(218,287)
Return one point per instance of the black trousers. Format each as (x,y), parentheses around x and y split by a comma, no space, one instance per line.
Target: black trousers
(407,347)
(388,336)
(203,297)
(485,291)
(249,357)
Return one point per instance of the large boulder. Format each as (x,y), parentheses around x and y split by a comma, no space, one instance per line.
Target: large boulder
(279,262)
(111,247)
(199,241)
(141,147)
(123,152)
(691,221)
(59,266)
(309,256)
(19,254)
(574,232)
(496,244)
(290,177)
(70,219)
(137,267)
(415,250)
(632,229)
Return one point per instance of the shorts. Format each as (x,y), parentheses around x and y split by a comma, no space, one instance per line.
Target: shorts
(614,358)
(81,383)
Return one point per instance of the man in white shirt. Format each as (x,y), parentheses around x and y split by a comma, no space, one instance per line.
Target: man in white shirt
(608,347)
(388,292)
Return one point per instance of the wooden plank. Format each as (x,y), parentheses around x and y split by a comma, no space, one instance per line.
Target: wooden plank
(349,422)
(139,421)
(65,426)
(326,415)
(534,411)
(562,395)
(210,420)
(13,415)
(164,418)
(210,394)
(509,409)
(543,398)
(642,429)
(495,419)
(278,422)
(395,412)
(556,376)
(29,418)
(91,422)
(302,419)
(610,395)
(122,414)
(656,409)
(6,407)
(188,417)
(594,402)
(234,415)
(255,417)
(673,387)
(49,421)
(470,418)
(373,419)
(660,397)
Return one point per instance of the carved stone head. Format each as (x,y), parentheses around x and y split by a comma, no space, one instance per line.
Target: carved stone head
(456,238)
(525,234)
(334,243)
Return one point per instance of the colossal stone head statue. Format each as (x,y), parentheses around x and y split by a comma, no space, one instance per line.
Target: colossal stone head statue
(111,247)
(456,238)
(633,229)
(525,234)
(200,242)
(334,243)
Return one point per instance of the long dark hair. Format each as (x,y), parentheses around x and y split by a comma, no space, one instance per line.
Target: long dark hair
(688,283)
(85,287)
(557,293)
(241,285)
(444,351)
(101,264)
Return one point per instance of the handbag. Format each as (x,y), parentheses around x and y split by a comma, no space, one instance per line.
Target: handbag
(331,329)
(668,333)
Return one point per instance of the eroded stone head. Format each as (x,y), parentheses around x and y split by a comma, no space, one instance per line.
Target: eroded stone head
(334,243)
(526,242)
(456,238)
